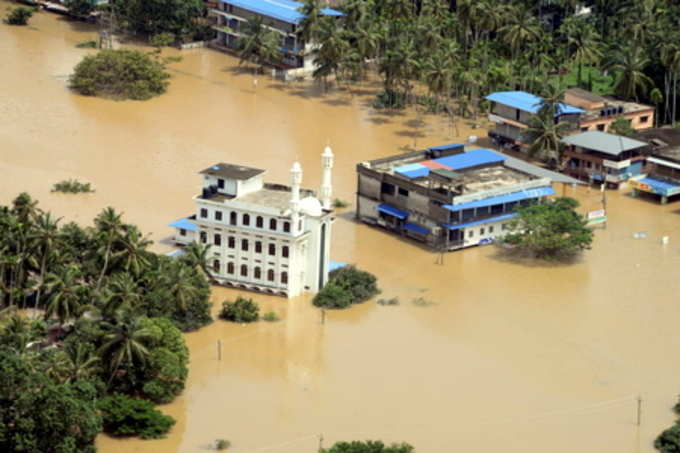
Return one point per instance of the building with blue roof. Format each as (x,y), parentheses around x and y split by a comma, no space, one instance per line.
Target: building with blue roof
(284,16)
(448,197)
(512,111)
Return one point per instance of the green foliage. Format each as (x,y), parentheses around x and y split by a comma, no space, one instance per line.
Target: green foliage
(87,45)
(370,446)
(120,74)
(162,39)
(18,15)
(80,8)
(621,126)
(669,440)
(222,444)
(40,415)
(72,186)
(151,17)
(240,310)
(551,231)
(338,203)
(270,316)
(126,416)
(346,286)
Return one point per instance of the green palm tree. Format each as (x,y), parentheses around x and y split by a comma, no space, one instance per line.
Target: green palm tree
(46,237)
(182,287)
(80,362)
(544,136)
(310,25)
(583,43)
(333,49)
(196,256)
(125,342)
(67,294)
(134,257)
(109,230)
(120,291)
(522,27)
(628,67)
(259,44)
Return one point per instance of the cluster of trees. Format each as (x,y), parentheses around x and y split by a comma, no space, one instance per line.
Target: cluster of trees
(550,231)
(18,15)
(370,446)
(346,286)
(120,74)
(465,49)
(669,440)
(110,327)
(241,310)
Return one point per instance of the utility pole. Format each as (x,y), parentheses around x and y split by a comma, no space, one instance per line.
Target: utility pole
(219,350)
(323,318)
(604,203)
(639,410)
(320,443)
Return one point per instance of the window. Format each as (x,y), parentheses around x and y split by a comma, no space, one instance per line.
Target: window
(284,277)
(232,218)
(272,224)
(387,188)
(270,275)
(182,232)
(231,242)
(204,213)
(284,251)
(286,227)
(204,237)
(218,215)
(300,224)
(584,129)
(516,114)
(502,226)
(258,273)
(272,249)
(403,192)
(216,265)
(471,233)
(246,219)
(490,229)
(220,183)
(230,268)
(600,127)
(244,270)
(589,164)
(481,231)
(218,239)
(244,245)
(644,119)
(258,246)
(259,222)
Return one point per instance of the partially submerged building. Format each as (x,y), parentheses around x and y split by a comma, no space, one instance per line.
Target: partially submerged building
(263,237)
(602,111)
(282,16)
(661,172)
(447,197)
(604,158)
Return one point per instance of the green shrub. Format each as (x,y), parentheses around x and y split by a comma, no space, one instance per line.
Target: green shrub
(19,16)
(669,440)
(120,74)
(72,186)
(370,446)
(241,310)
(222,444)
(87,45)
(346,286)
(338,203)
(126,416)
(270,316)
(80,8)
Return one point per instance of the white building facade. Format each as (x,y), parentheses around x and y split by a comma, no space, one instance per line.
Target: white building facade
(264,237)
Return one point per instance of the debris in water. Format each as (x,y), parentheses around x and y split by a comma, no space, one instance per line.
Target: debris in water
(640,235)
(422,302)
(392,301)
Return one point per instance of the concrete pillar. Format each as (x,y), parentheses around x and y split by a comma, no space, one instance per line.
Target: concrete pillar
(664,199)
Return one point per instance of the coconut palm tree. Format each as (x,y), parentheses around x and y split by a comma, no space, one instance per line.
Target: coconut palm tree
(120,291)
(109,230)
(46,237)
(80,362)
(522,27)
(333,49)
(310,25)
(134,257)
(544,135)
(583,43)
(182,288)
(628,67)
(196,256)
(67,294)
(125,342)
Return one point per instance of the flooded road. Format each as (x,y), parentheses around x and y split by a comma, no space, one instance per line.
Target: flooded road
(482,354)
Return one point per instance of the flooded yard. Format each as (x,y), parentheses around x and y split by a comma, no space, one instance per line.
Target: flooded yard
(482,353)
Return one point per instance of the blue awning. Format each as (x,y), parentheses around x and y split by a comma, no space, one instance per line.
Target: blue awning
(499,218)
(417,228)
(659,186)
(184,224)
(391,210)
(506,198)
(447,147)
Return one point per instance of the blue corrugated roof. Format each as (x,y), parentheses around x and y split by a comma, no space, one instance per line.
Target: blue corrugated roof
(659,186)
(391,210)
(283,10)
(469,159)
(184,224)
(415,173)
(528,102)
(506,198)
(447,147)
(499,218)
(416,228)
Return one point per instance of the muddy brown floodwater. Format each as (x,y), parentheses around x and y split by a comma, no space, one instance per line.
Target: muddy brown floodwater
(505,356)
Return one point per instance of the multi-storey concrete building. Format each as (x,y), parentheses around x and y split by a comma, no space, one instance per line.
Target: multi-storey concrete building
(603,158)
(602,111)
(263,237)
(282,16)
(447,197)
(661,172)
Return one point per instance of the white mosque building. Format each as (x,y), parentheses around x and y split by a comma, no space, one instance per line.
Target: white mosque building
(263,237)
